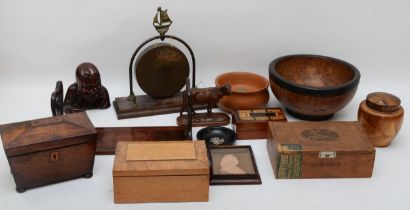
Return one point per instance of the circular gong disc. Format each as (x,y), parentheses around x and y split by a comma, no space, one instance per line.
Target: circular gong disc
(161,70)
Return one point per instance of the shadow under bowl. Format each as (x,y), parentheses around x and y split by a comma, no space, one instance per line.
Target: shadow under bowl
(249,91)
(313,87)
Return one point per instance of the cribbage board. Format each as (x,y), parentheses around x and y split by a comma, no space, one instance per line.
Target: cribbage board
(252,123)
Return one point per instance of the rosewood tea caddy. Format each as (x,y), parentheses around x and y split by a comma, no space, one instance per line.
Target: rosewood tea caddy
(49,150)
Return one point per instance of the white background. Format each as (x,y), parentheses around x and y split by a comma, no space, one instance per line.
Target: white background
(43,41)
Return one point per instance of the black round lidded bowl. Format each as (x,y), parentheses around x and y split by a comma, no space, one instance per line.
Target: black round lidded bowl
(216,135)
(313,87)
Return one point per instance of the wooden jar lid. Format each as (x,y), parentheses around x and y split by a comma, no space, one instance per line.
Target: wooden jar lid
(383,102)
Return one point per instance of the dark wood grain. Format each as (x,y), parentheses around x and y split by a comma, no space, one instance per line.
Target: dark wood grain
(38,169)
(49,150)
(145,105)
(107,138)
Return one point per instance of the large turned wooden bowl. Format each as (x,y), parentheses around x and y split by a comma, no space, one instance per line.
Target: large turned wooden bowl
(249,91)
(313,87)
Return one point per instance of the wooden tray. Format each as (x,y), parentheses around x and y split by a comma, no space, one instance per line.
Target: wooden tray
(108,137)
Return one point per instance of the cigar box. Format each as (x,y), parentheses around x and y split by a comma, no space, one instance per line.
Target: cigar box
(253,123)
(166,171)
(49,150)
(319,150)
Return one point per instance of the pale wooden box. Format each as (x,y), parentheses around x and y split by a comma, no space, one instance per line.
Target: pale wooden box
(171,171)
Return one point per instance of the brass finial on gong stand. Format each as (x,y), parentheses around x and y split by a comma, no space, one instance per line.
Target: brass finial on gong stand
(161,70)
(162,22)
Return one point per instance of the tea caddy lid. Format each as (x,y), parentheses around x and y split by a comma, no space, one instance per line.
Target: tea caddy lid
(46,133)
(383,102)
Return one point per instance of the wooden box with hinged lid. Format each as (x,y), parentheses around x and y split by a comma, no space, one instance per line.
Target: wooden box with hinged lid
(253,123)
(49,150)
(169,171)
(319,150)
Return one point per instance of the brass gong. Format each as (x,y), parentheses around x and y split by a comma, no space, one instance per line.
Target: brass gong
(161,70)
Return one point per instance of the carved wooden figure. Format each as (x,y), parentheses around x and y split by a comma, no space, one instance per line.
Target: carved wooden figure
(86,93)
(57,99)
(203,96)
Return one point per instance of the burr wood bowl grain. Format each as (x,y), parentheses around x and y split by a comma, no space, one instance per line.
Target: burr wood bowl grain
(313,87)
(249,91)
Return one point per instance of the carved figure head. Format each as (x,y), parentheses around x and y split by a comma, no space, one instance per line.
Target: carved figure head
(88,80)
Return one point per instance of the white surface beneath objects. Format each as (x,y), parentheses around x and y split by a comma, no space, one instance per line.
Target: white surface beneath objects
(43,41)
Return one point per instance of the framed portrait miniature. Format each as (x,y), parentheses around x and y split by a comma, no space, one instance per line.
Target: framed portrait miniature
(233,165)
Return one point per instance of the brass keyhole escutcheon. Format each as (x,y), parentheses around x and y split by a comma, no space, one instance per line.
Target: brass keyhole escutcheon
(54,156)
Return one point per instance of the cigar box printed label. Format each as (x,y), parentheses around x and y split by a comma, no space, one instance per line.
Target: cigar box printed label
(290,163)
(319,135)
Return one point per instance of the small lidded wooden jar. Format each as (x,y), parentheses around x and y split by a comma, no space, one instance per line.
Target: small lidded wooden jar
(381,117)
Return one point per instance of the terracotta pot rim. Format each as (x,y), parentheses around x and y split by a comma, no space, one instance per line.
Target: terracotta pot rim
(262,79)
(317,91)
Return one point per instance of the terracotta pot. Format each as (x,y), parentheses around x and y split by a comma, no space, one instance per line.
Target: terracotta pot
(313,87)
(249,91)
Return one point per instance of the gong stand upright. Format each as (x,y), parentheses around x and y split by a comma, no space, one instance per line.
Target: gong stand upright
(161,70)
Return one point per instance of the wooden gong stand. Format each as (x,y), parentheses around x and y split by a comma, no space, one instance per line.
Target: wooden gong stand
(145,105)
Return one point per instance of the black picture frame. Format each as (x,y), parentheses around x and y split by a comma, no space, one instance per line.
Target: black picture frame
(248,170)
